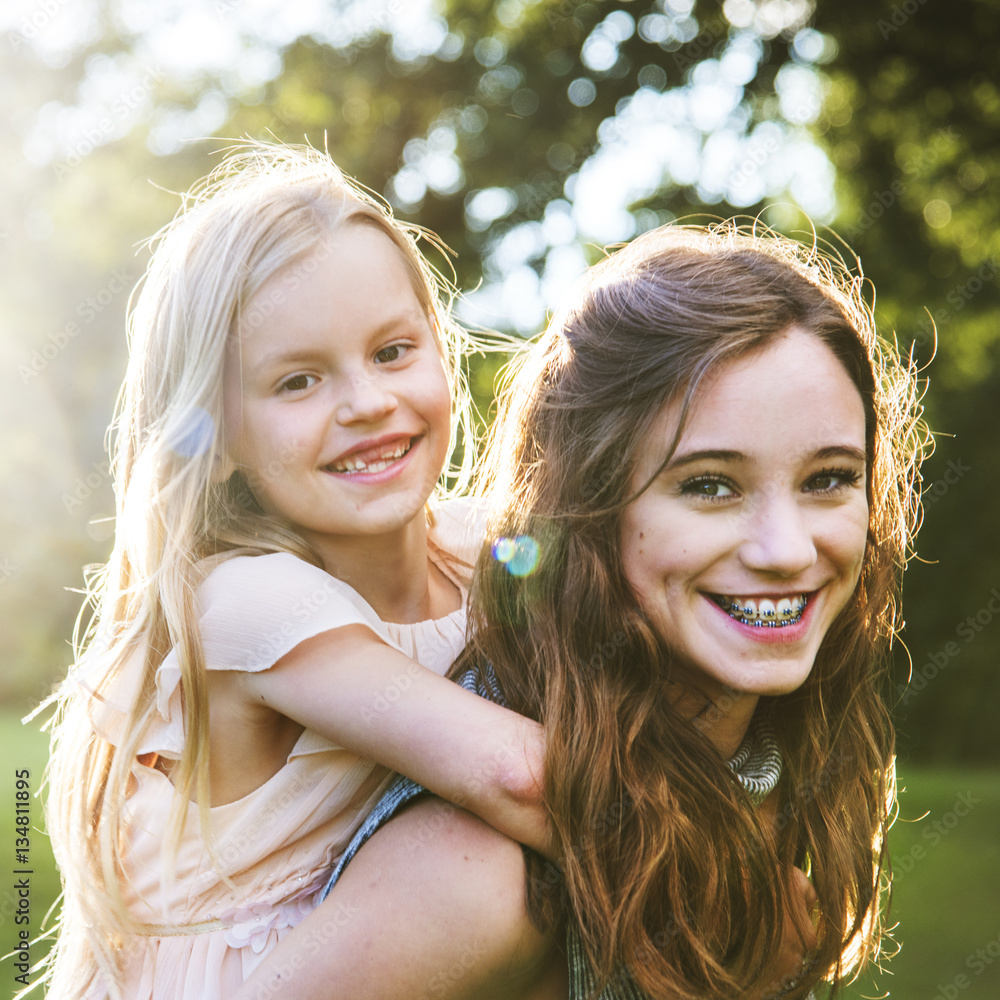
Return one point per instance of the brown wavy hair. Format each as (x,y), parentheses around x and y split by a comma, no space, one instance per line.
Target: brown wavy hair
(665,864)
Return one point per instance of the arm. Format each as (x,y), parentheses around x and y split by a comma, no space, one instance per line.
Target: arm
(420,916)
(350,687)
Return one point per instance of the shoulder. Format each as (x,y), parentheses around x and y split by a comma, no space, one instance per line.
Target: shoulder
(458,527)
(277,579)
(462,886)
(255,609)
(248,572)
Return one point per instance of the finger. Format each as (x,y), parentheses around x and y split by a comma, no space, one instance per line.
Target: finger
(800,882)
(803,906)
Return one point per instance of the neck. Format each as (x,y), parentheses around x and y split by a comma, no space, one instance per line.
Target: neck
(723,716)
(391,572)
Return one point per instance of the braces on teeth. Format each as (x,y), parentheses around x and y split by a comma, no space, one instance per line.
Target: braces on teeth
(764,613)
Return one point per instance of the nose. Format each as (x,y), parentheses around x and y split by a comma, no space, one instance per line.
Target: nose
(365,400)
(778,539)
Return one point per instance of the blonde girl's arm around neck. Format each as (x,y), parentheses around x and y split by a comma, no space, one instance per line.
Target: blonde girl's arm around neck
(363,695)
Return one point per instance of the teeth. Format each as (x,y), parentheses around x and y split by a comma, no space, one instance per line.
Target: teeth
(378,465)
(763,612)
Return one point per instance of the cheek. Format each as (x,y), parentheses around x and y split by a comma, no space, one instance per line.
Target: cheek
(642,557)
(232,399)
(437,402)
(263,442)
(858,539)
(846,546)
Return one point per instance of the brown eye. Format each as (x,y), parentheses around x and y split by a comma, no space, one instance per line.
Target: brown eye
(386,355)
(833,480)
(296,383)
(709,487)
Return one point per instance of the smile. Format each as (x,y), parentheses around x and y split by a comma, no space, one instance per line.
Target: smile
(763,612)
(373,459)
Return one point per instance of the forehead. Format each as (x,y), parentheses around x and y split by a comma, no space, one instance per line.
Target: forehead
(356,274)
(793,397)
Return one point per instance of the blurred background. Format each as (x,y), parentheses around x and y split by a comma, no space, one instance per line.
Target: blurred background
(530,134)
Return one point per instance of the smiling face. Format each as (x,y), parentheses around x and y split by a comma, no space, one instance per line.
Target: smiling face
(337,407)
(750,541)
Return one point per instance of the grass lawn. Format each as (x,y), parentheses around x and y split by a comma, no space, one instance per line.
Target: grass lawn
(946,898)
(945,849)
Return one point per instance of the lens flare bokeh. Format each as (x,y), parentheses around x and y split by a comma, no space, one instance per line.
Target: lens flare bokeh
(519,555)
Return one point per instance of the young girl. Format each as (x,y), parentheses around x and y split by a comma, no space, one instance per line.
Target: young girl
(250,682)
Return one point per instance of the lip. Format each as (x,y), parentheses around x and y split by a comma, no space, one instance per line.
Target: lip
(371,444)
(374,444)
(772,636)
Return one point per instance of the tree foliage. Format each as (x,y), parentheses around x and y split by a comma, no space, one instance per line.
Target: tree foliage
(529,134)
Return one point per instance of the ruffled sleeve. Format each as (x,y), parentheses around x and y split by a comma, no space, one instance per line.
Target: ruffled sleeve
(253,610)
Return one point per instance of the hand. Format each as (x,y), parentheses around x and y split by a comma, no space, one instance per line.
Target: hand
(798,939)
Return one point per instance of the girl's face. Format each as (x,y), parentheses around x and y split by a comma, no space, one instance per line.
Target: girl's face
(337,407)
(750,541)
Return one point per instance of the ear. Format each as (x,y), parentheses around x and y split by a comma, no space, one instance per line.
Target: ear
(222,468)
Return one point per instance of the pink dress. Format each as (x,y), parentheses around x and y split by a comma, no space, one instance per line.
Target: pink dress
(276,845)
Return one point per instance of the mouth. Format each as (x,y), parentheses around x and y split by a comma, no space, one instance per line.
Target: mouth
(763,612)
(371,460)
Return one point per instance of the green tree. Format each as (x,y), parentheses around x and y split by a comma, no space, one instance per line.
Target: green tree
(530,134)
(911,120)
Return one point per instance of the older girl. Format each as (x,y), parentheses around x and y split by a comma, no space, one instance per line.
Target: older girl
(703,490)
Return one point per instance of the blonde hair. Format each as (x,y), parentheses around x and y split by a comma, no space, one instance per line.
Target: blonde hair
(265,208)
(665,864)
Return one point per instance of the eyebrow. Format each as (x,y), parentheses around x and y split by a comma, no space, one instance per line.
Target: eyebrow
(719,455)
(281,358)
(722,455)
